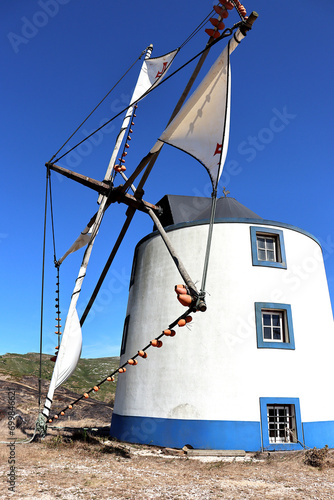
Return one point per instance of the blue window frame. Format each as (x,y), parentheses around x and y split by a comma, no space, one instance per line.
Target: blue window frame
(281,424)
(268,247)
(274,328)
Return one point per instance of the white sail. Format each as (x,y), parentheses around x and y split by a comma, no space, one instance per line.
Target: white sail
(71,342)
(70,347)
(201,128)
(152,71)
(80,242)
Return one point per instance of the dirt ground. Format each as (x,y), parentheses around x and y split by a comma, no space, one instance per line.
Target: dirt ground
(73,463)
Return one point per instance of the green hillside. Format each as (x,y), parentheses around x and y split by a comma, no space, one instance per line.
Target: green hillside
(87,374)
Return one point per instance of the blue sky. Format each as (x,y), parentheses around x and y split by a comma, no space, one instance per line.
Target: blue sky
(60,57)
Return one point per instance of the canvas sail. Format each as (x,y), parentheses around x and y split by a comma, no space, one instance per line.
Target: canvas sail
(70,347)
(71,342)
(82,240)
(201,128)
(152,71)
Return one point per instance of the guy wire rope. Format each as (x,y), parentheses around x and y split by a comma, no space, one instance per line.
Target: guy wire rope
(90,114)
(226,32)
(195,31)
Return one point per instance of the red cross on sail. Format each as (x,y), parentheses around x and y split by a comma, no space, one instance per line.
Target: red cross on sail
(202,126)
(218,149)
(160,73)
(153,70)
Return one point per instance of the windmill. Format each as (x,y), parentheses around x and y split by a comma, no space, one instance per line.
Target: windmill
(211,152)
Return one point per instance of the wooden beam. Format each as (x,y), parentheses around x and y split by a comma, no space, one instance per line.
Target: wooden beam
(215,453)
(100,187)
(133,202)
(114,194)
(108,264)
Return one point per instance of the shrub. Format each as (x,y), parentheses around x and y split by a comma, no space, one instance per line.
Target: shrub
(316,457)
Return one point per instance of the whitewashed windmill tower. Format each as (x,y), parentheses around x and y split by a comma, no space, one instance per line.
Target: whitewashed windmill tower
(251,372)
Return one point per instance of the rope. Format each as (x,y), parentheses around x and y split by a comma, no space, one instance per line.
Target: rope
(209,241)
(215,186)
(57,267)
(126,145)
(52,221)
(237,8)
(58,325)
(24,441)
(122,368)
(90,114)
(196,30)
(42,291)
(225,34)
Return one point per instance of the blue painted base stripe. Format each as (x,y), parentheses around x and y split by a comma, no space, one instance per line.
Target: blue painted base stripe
(175,433)
(319,434)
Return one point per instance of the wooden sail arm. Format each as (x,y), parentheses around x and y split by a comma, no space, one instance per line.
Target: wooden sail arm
(100,187)
(131,201)
(114,194)
(248,23)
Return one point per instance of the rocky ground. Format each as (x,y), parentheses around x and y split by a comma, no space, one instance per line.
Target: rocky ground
(71,462)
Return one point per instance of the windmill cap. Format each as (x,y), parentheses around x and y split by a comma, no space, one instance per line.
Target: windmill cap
(178,209)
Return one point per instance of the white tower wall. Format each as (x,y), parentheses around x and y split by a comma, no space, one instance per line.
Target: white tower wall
(206,385)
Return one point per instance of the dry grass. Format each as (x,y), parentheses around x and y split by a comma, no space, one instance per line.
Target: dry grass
(67,465)
(72,463)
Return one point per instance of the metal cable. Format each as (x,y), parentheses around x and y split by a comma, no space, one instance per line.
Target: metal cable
(42,292)
(90,114)
(225,34)
(52,222)
(196,30)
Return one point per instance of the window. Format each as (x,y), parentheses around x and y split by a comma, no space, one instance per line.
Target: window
(281,424)
(133,270)
(125,334)
(274,327)
(267,247)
